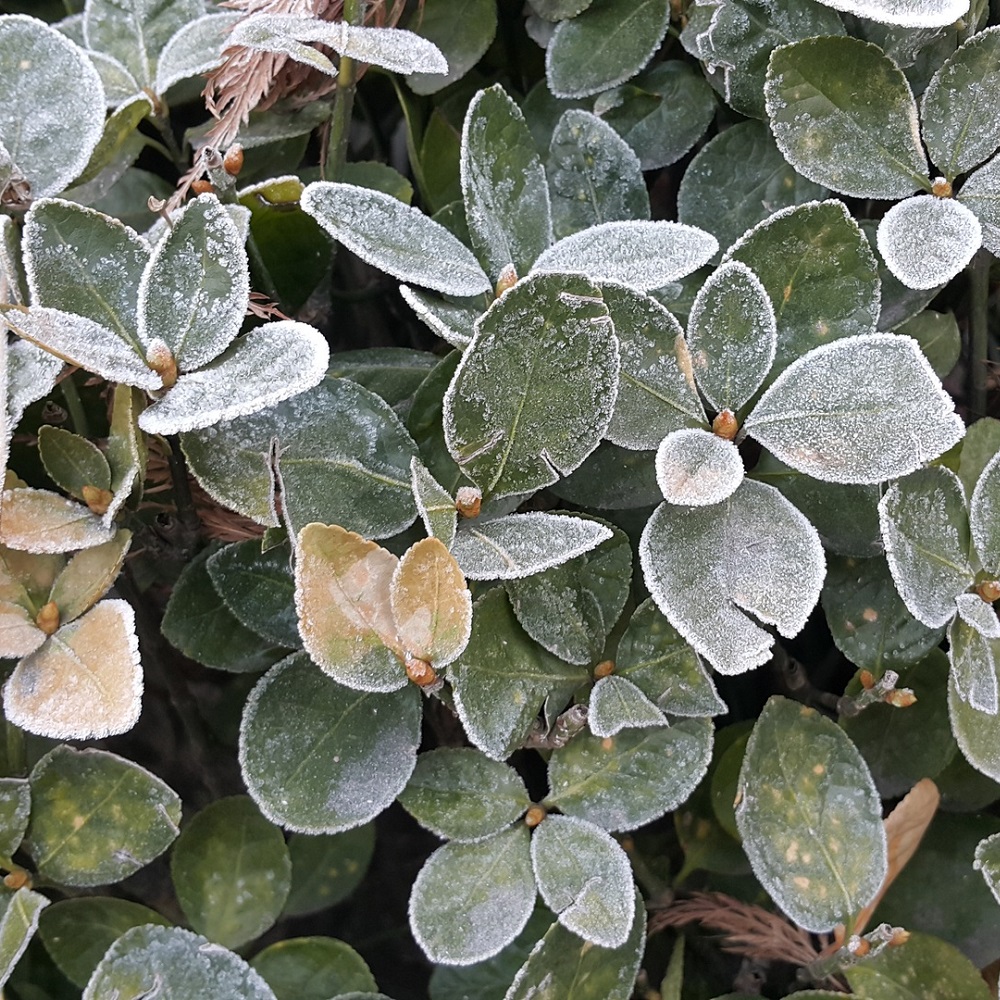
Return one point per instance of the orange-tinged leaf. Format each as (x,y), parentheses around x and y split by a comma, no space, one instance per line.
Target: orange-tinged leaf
(18,633)
(88,576)
(40,521)
(431,604)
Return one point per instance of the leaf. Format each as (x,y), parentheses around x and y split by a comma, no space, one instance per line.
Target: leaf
(923,14)
(695,467)
(462,33)
(47,79)
(843,115)
(981,193)
(503,185)
(642,255)
(176,962)
(972,645)
(434,503)
(40,521)
(193,50)
(980,444)
(984,510)
(399,240)
(19,913)
(820,854)
(266,366)
(20,634)
(977,733)
(519,545)
(988,863)
(126,449)
(625,781)
(119,84)
(612,478)
(534,392)
(231,871)
(502,679)
(605,45)
(925,528)
(313,968)
(326,868)
(882,412)
(617,704)
(96,818)
(346,759)
(394,373)
(452,323)
(710,568)
(72,462)
(938,336)
(15,807)
(31,375)
(460,794)
(119,147)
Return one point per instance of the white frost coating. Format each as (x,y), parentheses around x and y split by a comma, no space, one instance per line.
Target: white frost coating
(434,504)
(906,13)
(981,193)
(85,682)
(753,553)
(450,322)
(585,877)
(988,863)
(119,84)
(395,238)
(271,363)
(695,467)
(31,374)
(984,515)
(522,544)
(617,704)
(974,611)
(194,50)
(642,255)
(861,409)
(971,652)
(925,241)
(19,635)
(41,521)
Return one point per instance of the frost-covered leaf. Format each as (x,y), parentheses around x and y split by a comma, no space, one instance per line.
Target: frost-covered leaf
(327,868)
(984,515)
(642,255)
(977,733)
(655,396)
(119,147)
(938,336)
(519,545)
(979,446)
(534,392)
(925,529)
(981,193)
(40,521)
(19,635)
(732,335)
(266,366)
(51,103)
(617,704)
(470,900)
(31,375)
(925,241)
(194,49)
(15,807)
(906,13)
(119,84)
(72,462)
(346,759)
(503,184)
(809,816)
(12,281)
(342,588)
(858,410)
(395,238)
(434,503)
(585,878)
(126,449)
(844,116)
(19,914)
(452,323)
(695,467)
(463,34)
(612,478)
(710,569)
(312,967)
(88,576)
(988,863)
(972,644)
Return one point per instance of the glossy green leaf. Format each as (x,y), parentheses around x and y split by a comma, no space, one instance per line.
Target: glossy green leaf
(394,373)
(326,868)
(980,444)
(617,704)
(984,509)
(462,33)
(71,461)
(972,649)
(19,914)
(15,805)
(313,968)
(809,816)
(981,193)
(193,49)
(434,503)
(938,336)
(292,774)
(96,817)
(697,468)
(612,478)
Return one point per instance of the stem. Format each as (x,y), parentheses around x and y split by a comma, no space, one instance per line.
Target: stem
(261,274)
(186,513)
(343,102)
(162,124)
(979,334)
(77,416)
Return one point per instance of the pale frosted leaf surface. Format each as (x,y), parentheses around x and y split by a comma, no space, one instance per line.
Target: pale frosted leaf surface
(463,36)
(981,193)
(710,569)
(984,515)
(925,531)
(594,176)
(26,578)
(41,521)
(519,545)
(654,395)
(585,878)
(732,336)
(342,588)
(31,375)
(979,446)
(617,704)
(858,410)
(435,504)
(988,863)
(194,50)
(346,758)
(810,817)
(696,468)
(11,268)
(266,366)
(15,808)
(85,682)
(503,185)
(625,781)
(51,103)
(534,393)
(977,733)
(471,900)
(277,33)
(395,238)
(148,959)
(82,261)
(431,605)
(642,255)
(88,576)
(83,342)
(906,13)
(452,323)
(196,288)
(844,116)
(460,794)
(926,241)
(19,913)
(119,84)
(971,652)
(19,635)
(502,679)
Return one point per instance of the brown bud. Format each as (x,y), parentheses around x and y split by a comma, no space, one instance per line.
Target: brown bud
(725,425)
(903,698)
(47,618)
(507,279)
(232,162)
(604,669)
(534,816)
(989,590)
(419,671)
(861,948)
(468,501)
(17,879)
(867,679)
(97,500)
(201,186)
(899,936)
(941,188)
(160,358)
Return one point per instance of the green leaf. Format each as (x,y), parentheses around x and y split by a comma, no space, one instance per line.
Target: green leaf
(126,449)
(820,853)
(981,193)
(313,968)
(625,781)
(326,868)
(71,461)
(844,116)
(535,390)
(463,33)
(604,46)
(612,478)
(231,872)
(175,962)
(31,375)
(502,679)
(977,733)
(19,913)
(922,14)
(462,795)
(988,863)
(96,818)
(617,704)
(451,322)
(394,373)
(697,468)
(984,511)
(292,773)
(120,145)
(15,805)
(193,49)
(434,503)
(938,336)
(470,900)
(972,647)
(980,444)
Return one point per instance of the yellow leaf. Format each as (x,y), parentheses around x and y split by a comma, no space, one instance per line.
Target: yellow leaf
(41,521)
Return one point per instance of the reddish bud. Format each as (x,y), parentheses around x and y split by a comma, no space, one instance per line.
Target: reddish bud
(201,186)
(468,501)
(940,188)
(534,816)
(232,162)
(419,671)
(725,425)
(47,618)
(867,679)
(604,669)
(97,500)
(989,590)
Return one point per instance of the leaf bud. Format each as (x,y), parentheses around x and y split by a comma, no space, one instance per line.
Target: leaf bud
(232,162)
(47,618)
(468,501)
(17,879)
(604,669)
(940,188)
(201,186)
(534,816)
(988,590)
(419,671)
(160,358)
(901,698)
(899,936)
(97,500)
(507,279)
(725,425)
(867,679)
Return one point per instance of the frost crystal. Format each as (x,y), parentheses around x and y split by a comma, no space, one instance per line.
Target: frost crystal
(696,468)
(905,13)
(450,322)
